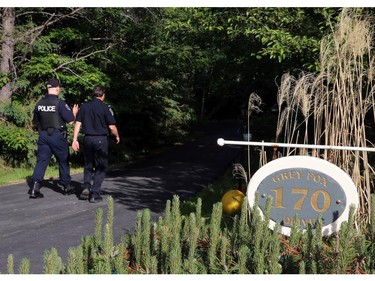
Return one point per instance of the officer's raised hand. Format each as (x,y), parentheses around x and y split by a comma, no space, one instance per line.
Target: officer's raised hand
(75,109)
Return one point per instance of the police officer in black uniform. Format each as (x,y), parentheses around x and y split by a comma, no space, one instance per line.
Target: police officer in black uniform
(50,115)
(97,120)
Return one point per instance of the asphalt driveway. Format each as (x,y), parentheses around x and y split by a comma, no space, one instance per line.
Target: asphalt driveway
(28,227)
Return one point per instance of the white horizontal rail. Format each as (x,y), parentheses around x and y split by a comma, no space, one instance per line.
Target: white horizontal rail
(222,142)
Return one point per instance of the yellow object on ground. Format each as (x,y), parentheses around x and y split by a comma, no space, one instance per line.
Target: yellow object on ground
(232,201)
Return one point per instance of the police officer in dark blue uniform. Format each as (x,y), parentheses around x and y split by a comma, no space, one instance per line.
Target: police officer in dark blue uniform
(97,120)
(51,115)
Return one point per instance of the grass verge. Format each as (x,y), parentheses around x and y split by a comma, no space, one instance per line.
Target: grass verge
(9,176)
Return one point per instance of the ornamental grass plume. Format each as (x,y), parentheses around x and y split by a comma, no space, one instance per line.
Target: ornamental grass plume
(253,104)
(335,103)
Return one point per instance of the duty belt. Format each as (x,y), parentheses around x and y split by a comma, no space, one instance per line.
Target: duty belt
(52,130)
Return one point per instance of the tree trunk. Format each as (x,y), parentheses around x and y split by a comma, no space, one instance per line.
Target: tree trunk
(7,52)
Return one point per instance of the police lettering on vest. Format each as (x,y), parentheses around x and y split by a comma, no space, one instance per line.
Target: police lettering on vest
(45,108)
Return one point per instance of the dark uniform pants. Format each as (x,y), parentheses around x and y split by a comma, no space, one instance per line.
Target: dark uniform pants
(48,145)
(96,161)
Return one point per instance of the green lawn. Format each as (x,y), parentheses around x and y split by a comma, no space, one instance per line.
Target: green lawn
(10,176)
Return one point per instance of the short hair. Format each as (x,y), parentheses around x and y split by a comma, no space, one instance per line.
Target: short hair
(98,91)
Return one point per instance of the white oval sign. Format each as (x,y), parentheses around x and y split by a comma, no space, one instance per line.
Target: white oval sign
(305,188)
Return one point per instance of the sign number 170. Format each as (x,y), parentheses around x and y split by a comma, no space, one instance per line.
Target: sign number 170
(303,194)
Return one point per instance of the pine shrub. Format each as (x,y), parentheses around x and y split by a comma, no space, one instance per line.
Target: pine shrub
(52,262)
(177,244)
(10,264)
(24,267)
(75,263)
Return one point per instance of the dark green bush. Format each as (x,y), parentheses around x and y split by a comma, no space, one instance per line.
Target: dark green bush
(17,145)
(17,139)
(17,114)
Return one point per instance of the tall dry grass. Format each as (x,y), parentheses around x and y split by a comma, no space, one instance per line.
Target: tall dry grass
(331,108)
(253,105)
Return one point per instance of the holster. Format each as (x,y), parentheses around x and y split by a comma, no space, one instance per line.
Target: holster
(50,131)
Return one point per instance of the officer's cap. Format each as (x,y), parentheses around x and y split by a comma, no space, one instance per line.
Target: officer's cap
(53,83)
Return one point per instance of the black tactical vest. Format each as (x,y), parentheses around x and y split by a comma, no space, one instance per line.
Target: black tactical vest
(49,116)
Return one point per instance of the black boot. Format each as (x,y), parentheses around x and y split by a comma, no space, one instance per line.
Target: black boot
(95,199)
(86,189)
(35,191)
(68,189)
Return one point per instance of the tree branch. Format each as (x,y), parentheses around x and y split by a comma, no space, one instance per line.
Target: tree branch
(35,32)
(53,18)
(79,58)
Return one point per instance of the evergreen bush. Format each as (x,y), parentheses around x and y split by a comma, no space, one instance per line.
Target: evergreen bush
(177,244)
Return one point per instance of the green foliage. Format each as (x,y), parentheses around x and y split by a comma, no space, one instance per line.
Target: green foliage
(214,232)
(287,33)
(17,139)
(52,262)
(186,245)
(24,267)
(230,49)
(17,146)
(370,235)
(10,264)
(75,263)
(3,79)
(164,67)
(98,226)
(16,113)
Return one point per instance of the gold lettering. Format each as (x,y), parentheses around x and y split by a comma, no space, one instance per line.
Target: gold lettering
(302,222)
(288,220)
(303,192)
(284,176)
(317,179)
(287,176)
(309,176)
(306,222)
(278,198)
(326,200)
(276,179)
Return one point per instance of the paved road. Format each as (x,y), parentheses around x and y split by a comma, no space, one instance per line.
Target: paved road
(28,227)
